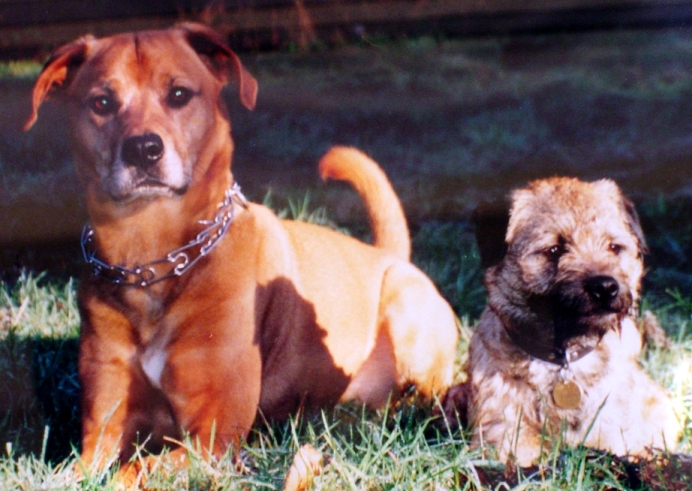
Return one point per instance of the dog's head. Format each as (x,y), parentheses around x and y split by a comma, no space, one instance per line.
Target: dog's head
(145,108)
(574,258)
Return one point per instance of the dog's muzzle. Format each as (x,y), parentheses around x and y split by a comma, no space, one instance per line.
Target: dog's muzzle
(569,322)
(593,295)
(144,168)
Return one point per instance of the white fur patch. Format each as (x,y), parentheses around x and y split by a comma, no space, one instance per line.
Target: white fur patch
(153,362)
(172,166)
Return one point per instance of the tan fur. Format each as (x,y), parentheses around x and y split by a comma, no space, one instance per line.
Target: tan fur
(539,299)
(280,315)
(384,209)
(307,463)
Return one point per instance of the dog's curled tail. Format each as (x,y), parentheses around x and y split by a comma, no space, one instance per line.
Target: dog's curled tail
(387,220)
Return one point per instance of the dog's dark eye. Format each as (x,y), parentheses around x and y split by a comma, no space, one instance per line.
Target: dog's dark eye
(103,105)
(178,97)
(555,252)
(615,248)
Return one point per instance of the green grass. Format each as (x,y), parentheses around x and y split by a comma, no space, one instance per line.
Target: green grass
(39,325)
(26,69)
(405,448)
(465,112)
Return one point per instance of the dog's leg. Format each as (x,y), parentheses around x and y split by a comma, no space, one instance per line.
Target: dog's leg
(108,382)
(514,437)
(214,387)
(103,422)
(120,407)
(422,328)
(129,412)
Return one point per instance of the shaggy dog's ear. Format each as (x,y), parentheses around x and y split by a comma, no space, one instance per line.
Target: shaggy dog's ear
(491,219)
(628,209)
(635,226)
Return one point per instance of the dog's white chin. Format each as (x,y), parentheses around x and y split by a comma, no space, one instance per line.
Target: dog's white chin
(146,192)
(124,183)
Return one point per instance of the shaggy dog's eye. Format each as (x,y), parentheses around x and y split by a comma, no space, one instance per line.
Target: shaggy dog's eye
(615,248)
(555,252)
(103,104)
(178,97)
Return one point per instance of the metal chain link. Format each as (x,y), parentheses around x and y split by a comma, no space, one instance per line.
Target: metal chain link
(182,258)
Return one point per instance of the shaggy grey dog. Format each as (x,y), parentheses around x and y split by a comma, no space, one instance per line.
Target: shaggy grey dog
(555,353)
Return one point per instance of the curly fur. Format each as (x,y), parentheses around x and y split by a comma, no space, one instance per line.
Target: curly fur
(567,287)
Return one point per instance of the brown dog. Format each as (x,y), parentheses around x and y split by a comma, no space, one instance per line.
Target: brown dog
(204,309)
(555,352)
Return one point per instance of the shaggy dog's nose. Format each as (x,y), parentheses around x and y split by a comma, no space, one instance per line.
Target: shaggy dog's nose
(602,289)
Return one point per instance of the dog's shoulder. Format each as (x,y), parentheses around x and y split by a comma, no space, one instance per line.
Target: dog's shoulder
(490,347)
(258,220)
(489,329)
(258,232)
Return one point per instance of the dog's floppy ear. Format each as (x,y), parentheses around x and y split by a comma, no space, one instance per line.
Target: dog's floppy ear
(57,71)
(208,43)
(634,225)
(631,217)
(491,219)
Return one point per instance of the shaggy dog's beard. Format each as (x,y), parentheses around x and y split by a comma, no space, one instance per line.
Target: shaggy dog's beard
(564,321)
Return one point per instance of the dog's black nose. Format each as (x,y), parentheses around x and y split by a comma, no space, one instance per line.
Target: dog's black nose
(143,150)
(603,289)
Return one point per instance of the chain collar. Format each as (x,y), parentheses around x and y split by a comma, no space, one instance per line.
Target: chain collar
(179,260)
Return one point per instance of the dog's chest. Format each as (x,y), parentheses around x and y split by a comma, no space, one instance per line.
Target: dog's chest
(154,354)
(150,322)
(584,374)
(153,361)
(146,305)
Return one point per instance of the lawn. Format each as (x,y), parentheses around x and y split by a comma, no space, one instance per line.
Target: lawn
(404,448)
(454,123)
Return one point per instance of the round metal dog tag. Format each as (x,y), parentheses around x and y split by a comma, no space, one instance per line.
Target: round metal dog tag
(567,394)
